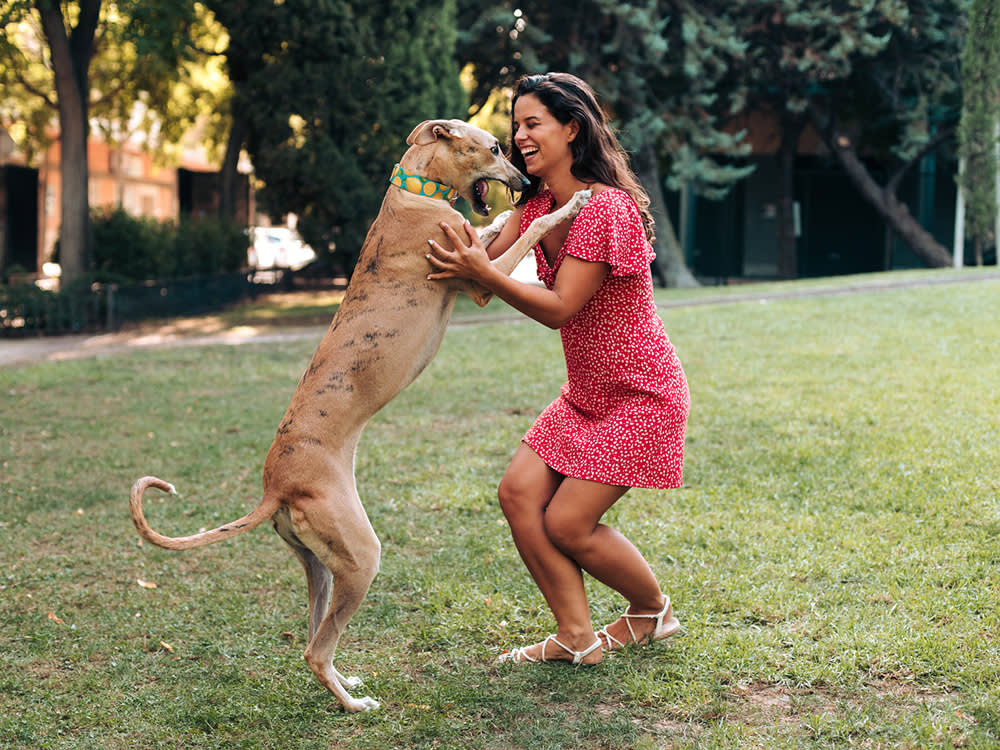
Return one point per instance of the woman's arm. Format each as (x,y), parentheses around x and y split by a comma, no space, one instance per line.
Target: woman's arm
(576,282)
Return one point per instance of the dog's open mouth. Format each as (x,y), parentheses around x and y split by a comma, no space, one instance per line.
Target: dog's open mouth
(479,191)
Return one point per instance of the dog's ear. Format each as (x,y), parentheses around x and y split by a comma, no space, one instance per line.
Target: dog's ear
(430,130)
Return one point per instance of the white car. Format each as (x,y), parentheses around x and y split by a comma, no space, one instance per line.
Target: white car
(278,247)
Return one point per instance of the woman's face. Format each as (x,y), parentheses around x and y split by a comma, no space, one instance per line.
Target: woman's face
(543,141)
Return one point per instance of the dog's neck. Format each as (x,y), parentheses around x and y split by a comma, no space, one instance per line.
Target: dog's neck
(418,185)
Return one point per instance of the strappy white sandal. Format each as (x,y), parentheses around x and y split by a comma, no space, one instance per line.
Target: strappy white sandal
(666,626)
(520,655)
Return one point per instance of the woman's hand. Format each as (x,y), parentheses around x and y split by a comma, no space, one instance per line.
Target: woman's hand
(461,260)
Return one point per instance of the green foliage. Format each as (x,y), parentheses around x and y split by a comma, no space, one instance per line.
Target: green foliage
(887,69)
(656,67)
(980,120)
(207,245)
(796,47)
(136,247)
(910,93)
(330,89)
(109,63)
(143,249)
(150,74)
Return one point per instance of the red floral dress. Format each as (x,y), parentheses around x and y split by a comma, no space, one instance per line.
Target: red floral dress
(621,416)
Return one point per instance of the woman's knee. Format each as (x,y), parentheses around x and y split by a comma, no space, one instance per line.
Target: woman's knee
(527,485)
(566,532)
(515,497)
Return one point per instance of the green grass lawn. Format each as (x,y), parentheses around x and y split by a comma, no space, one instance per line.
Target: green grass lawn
(833,555)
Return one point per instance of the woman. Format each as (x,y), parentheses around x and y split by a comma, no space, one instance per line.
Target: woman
(620,419)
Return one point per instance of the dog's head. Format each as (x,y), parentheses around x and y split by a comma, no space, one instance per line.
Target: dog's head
(464,157)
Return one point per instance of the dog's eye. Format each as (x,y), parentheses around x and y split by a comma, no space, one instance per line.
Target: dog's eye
(495,150)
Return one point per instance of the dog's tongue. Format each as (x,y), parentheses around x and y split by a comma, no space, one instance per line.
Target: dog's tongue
(482,189)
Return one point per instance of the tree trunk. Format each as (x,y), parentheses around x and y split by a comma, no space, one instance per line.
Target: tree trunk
(229,174)
(893,211)
(669,266)
(788,253)
(71,62)
(74,230)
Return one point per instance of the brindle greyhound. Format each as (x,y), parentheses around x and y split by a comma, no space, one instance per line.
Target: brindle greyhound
(387,329)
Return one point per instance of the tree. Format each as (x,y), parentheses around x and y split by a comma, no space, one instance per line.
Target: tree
(253,32)
(91,60)
(70,49)
(878,77)
(327,91)
(903,103)
(654,65)
(980,120)
(795,49)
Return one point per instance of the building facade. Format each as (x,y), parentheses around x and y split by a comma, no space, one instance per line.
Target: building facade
(30,197)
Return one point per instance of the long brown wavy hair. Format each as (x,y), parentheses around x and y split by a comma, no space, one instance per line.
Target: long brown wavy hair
(597,155)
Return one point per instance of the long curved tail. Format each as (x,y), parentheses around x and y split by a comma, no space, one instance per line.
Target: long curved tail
(253,519)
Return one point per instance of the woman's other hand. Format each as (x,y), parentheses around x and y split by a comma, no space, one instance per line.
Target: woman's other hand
(465,259)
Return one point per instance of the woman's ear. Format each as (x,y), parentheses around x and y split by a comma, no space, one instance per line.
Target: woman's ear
(574,130)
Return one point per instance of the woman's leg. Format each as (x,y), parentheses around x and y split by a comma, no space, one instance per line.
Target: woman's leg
(526,490)
(572,524)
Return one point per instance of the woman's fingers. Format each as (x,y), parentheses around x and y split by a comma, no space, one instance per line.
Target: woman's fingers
(452,234)
(459,260)
(437,263)
(436,251)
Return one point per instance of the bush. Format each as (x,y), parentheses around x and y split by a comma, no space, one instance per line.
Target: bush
(204,246)
(143,249)
(127,245)
(27,310)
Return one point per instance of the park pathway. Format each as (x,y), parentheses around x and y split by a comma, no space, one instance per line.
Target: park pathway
(57,348)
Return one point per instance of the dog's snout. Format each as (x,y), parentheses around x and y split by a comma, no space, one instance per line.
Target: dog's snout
(525,182)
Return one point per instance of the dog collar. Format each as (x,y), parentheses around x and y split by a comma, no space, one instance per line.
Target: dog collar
(422,186)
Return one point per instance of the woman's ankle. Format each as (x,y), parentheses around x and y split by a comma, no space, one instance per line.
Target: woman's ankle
(648,607)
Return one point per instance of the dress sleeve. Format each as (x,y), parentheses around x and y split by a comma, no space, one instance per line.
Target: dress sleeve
(609,230)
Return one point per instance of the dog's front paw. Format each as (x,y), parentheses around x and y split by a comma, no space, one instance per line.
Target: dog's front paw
(579,198)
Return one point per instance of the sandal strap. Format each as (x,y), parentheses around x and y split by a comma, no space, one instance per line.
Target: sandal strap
(611,639)
(518,656)
(658,617)
(578,656)
(546,643)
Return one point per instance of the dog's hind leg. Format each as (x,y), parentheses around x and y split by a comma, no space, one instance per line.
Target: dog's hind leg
(318,577)
(341,541)
(348,593)
(321,582)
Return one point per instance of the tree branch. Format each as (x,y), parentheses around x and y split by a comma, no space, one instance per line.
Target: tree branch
(43,94)
(929,147)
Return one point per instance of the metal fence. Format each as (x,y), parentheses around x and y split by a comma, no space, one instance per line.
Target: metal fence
(29,311)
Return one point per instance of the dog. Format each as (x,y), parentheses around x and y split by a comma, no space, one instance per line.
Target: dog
(387,329)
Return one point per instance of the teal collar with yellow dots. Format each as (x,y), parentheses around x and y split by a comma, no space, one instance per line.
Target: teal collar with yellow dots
(422,186)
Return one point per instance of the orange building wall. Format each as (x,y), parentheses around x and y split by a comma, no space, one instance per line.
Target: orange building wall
(126,176)
(763,133)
